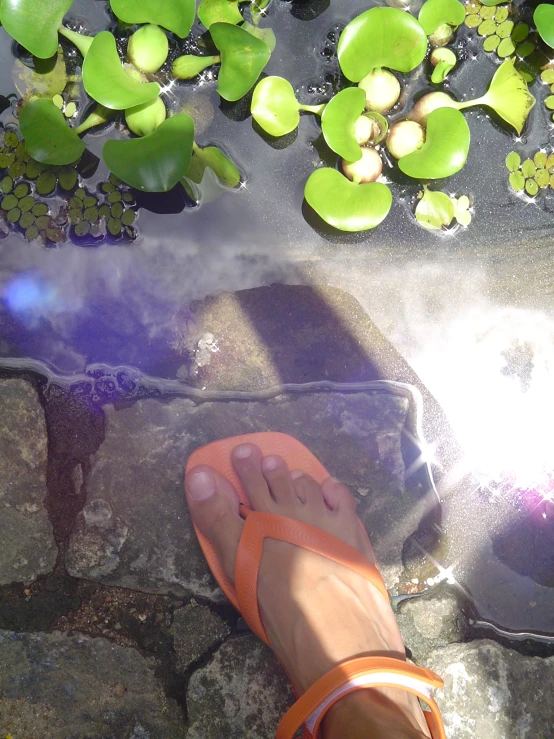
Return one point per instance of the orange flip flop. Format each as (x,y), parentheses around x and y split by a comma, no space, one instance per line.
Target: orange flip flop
(353,674)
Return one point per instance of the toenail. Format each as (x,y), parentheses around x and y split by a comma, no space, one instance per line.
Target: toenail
(243,451)
(270,463)
(201,486)
(295,474)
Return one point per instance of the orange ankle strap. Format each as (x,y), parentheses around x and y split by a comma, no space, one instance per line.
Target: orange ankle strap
(357,674)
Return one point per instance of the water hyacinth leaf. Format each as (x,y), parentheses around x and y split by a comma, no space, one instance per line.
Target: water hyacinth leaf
(490,3)
(338,121)
(34,23)
(106,81)
(154,163)
(381,37)
(274,106)
(544,21)
(175,15)
(513,160)
(435,13)
(445,149)
(444,61)
(47,136)
(212,157)
(344,204)
(45,78)
(81,41)
(219,11)
(264,34)
(243,58)
(435,210)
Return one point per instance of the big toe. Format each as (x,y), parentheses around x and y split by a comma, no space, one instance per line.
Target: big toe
(214,507)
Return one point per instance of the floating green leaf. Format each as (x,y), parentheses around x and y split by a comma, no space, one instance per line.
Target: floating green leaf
(445,149)
(243,58)
(275,107)
(219,11)
(435,210)
(338,120)
(461,210)
(517,181)
(45,78)
(381,37)
(344,204)
(443,61)
(544,21)
(490,3)
(175,15)
(513,161)
(154,163)
(212,157)
(106,81)
(531,187)
(34,23)
(264,34)
(47,136)
(435,13)
(46,183)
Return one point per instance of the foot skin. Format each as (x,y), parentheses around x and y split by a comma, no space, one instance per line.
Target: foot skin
(316,612)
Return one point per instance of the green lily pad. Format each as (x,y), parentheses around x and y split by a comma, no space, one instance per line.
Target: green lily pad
(210,156)
(243,58)
(435,13)
(338,119)
(344,204)
(445,149)
(274,106)
(175,15)
(47,136)
(381,37)
(106,81)
(46,78)
(34,23)
(153,163)
(544,21)
(435,210)
(219,11)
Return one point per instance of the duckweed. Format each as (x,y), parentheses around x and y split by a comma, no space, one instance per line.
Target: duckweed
(500,34)
(533,174)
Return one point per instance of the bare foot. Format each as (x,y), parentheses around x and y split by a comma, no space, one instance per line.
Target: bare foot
(316,612)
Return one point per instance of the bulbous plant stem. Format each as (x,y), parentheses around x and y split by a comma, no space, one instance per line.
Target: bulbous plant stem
(98,116)
(317,109)
(188,66)
(81,42)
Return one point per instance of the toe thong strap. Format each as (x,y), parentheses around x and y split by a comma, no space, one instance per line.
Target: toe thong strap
(356,674)
(258,527)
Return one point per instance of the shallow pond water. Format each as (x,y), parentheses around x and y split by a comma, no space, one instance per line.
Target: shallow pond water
(437,297)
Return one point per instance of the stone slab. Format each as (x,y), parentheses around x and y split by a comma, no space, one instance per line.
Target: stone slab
(196,631)
(491,692)
(135,530)
(75,687)
(28,546)
(242,693)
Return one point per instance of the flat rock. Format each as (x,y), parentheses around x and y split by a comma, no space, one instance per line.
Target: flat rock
(135,530)
(28,546)
(492,692)
(241,694)
(195,630)
(75,687)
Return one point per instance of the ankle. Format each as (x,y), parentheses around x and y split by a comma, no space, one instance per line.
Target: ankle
(376,713)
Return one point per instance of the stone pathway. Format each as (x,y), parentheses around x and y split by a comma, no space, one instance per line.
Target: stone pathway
(111,626)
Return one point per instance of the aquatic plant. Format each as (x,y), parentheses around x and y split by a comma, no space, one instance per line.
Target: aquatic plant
(543,18)
(500,34)
(437,211)
(531,175)
(440,19)
(176,16)
(48,138)
(443,61)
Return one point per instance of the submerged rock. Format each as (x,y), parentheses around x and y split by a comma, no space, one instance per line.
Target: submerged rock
(28,546)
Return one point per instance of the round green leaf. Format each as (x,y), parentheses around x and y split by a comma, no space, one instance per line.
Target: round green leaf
(508,94)
(491,43)
(219,11)
(175,15)
(513,160)
(520,33)
(106,81)
(505,48)
(338,119)
(47,136)
(539,159)
(212,157)
(435,210)
(445,149)
(490,3)
(34,23)
(154,163)
(381,37)
(435,13)
(243,58)
(531,187)
(274,106)
(345,205)
(544,21)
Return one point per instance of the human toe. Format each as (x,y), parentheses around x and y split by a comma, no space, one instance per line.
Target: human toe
(279,482)
(247,461)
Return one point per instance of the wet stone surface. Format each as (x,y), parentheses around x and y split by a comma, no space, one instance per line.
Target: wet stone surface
(28,546)
(135,530)
(75,687)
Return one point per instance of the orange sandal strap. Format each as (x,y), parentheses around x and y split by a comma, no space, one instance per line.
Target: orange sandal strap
(259,526)
(357,674)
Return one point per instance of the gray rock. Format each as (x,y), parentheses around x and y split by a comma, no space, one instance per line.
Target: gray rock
(430,621)
(135,530)
(492,692)
(28,546)
(241,694)
(75,687)
(195,631)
